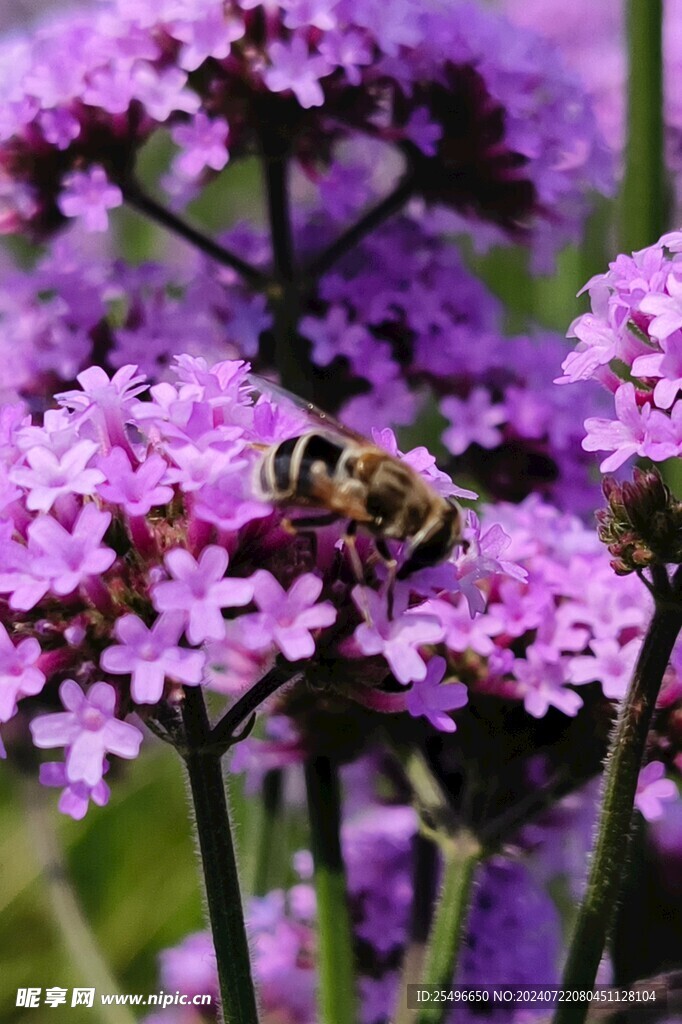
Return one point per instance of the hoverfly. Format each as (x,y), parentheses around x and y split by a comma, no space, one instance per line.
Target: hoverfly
(342,473)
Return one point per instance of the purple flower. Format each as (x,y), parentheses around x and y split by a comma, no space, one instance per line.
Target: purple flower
(206,33)
(292,67)
(611,665)
(152,655)
(653,790)
(49,476)
(88,729)
(432,699)
(204,144)
(89,195)
(137,490)
(542,685)
(637,431)
(397,639)
(474,421)
(665,310)
(200,590)
(76,796)
(67,558)
(286,618)
(19,674)
(163,92)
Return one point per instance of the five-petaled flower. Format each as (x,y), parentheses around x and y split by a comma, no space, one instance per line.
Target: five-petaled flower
(152,655)
(200,590)
(88,729)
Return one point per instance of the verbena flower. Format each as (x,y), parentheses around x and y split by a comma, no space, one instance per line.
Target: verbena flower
(158,563)
(631,344)
(458,91)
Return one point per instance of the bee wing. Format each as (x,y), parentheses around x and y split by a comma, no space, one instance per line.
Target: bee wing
(324,420)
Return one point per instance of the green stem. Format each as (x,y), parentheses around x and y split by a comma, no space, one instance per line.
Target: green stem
(77,935)
(461,854)
(643,198)
(270,825)
(620,784)
(336,992)
(223,894)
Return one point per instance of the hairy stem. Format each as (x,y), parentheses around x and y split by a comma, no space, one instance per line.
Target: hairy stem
(223,734)
(643,198)
(336,986)
(221,879)
(615,821)
(145,204)
(461,855)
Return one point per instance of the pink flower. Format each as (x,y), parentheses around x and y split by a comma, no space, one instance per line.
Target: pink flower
(636,431)
(611,665)
(76,796)
(200,590)
(474,420)
(88,729)
(432,699)
(68,558)
(163,92)
(47,476)
(292,67)
(542,685)
(397,639)
(89,195)
(19,675)
(653,789)
(286,617)
(152,655)
(137,490)
(666,310)
(203,142)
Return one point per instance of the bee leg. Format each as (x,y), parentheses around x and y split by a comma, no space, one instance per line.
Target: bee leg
(356,564)
(392,569)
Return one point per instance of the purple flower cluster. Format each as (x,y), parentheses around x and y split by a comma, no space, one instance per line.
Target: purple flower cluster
(134,541)
(399,323)
(457,90)
(402,322)
(631,342)
(570,623)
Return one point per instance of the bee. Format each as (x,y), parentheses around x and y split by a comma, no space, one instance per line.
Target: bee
(346,476)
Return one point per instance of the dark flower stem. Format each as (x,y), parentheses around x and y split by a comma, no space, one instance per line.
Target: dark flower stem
(223,895)
(609,855)
(368,223)
(336,987)
(643,205)
(461,855)
(223,735)
(291,355)
(145,204)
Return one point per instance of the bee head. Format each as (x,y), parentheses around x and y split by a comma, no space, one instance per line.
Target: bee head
(433,544)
